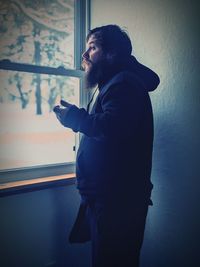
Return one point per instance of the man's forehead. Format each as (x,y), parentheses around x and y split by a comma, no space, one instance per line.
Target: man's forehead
(93,40)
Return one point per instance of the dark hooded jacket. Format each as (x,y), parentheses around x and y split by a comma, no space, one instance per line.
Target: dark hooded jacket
(115,152)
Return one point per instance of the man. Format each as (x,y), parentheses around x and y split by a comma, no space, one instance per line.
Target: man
(113,164)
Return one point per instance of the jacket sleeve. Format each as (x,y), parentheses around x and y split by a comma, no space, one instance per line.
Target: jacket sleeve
(122,107)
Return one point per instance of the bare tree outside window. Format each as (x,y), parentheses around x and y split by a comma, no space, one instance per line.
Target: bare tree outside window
(38,33)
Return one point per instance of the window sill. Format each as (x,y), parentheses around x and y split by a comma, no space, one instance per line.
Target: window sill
(36,184)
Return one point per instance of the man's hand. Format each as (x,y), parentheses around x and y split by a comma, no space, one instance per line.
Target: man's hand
(61,111)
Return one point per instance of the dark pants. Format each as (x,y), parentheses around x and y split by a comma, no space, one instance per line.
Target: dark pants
(116,230)
(116,234)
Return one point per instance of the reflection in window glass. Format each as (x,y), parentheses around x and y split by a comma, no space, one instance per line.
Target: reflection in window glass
(30,134)
(37,32)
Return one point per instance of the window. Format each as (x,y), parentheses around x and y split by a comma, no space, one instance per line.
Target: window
(39,32)
(40,56)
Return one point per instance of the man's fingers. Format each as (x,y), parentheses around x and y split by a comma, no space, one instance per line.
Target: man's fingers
(61,111)
(56,109)
(65,104)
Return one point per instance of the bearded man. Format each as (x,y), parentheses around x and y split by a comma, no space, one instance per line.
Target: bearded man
(114,159)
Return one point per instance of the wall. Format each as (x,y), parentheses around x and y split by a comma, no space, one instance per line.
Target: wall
(34,229)
(165,37)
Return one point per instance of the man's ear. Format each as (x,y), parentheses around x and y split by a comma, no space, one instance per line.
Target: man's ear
(110,57)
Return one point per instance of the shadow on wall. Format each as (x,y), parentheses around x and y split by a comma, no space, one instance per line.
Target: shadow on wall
(173,223)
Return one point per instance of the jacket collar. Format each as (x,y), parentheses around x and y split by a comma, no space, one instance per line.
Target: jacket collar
(123,76)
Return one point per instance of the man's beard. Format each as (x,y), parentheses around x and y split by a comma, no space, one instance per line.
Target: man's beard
(96,74)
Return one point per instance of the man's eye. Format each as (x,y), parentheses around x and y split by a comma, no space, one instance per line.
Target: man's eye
(93,47)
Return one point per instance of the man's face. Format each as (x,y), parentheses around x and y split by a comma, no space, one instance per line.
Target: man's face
(93,55)
(94,62)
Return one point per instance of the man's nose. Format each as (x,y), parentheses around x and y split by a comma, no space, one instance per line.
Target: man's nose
(85,55)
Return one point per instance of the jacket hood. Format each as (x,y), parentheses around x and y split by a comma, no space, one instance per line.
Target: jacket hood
(133,72)
(148,78)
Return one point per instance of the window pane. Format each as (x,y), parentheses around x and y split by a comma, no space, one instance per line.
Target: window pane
(30,134)
(37,32)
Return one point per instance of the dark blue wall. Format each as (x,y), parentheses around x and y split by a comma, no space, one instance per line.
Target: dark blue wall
(34,229)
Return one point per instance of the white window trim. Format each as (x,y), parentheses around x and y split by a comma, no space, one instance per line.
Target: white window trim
(82,24)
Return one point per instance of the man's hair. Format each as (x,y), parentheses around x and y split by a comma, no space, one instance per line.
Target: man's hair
(113,40)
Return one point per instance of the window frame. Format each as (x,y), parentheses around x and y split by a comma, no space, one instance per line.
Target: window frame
(82,25)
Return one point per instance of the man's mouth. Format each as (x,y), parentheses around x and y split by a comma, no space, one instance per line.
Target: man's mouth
(86,64)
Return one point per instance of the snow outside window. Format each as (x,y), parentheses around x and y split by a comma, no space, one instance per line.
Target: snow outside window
(40,34)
